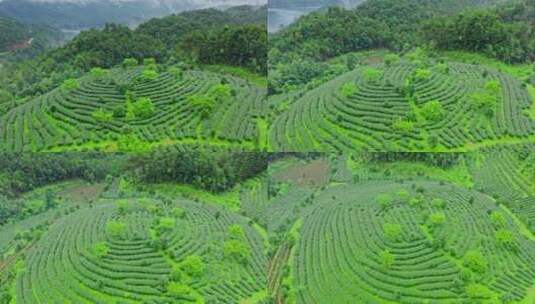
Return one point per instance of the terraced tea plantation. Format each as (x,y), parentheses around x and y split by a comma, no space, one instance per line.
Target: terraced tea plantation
(386,237)
(130,251)
(406,105)
(149,105)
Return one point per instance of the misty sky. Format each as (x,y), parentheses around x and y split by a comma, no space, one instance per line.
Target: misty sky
(230,2)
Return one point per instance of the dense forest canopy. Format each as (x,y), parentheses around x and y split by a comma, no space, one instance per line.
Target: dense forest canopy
(211,170)
(501,30)
(200,37)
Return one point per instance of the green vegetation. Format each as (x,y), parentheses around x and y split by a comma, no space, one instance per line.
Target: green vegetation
(408,108)
(175,246)
(127,113)
(419,237)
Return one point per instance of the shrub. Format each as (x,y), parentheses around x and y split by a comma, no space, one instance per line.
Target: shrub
(192,265)
(505,237)
(384,200)
(478,291)
(178,212)
(166,224)
(237,250)
(391,59)
(392,231)
(437,218)
(115,229)
(70,84)
(178,290)
(130,62)
(102,115)
(433,111)
(497,219)
(403,126)
(100,250)
(204,104)
(98,72)
(475,261)
(149,61)
(149,74)
(142,108)
(422,74)
(236,232)
(372,75)
(386,258)
(348,89)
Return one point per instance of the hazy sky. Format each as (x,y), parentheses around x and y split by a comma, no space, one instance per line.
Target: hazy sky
(230,2)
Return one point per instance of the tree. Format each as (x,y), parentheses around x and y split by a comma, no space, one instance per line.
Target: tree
(505,237)
(221,92)
(149,74)
(122,206)
(497,219)
(403,126)
(5,97)
(115,229)
(192,265)
(403,195)
(70,84)
(386,258)
(236,232)
(475,261)
(50,199)
(437,218)
(149,61)
(438,203)
(166,224)
(102,115)
(372,75)
(101,250)
(392,231)
(422,74)
(178,212)
(433,111)
(478,291)
(442,68)
(348,89)
(203,104)
(130,62)
(175,71)
(98,73)
(179,291)
(391,59)
(384,200)
(142,108)
(237,250)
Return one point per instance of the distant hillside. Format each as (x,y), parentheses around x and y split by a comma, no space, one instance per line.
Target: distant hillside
(309,3)
(236,37)
(18,40)
(395,24)
(96,13)
(12,34)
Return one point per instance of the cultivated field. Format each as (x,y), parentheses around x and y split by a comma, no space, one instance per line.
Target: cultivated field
(113,110)
(406,105)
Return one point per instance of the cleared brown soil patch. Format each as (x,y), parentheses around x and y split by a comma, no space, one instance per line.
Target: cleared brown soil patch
(82,193)
(314,173)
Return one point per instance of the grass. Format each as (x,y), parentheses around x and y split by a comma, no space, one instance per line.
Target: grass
(257,297)
(257,79)
(520,71)
(458,174)
(229,199)
(531,91)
